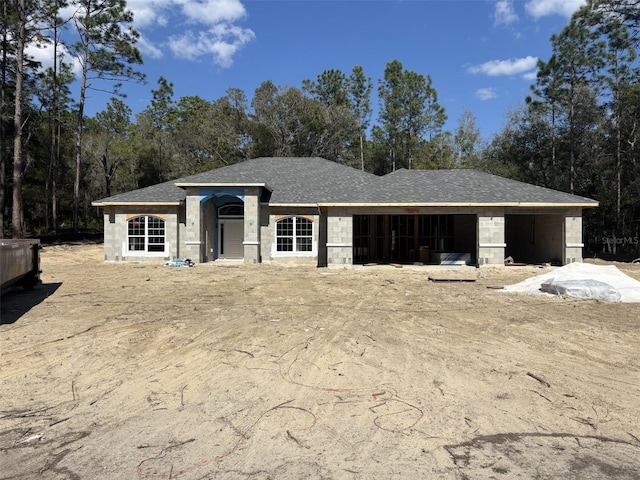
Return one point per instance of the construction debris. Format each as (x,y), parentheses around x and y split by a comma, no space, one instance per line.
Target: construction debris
(180,262)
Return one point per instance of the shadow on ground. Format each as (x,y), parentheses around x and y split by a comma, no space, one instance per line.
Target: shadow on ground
(15,303)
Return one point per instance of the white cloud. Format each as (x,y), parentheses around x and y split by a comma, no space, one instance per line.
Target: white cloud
(515,66)
(149,49)
(544,8)
(222,41)
(212,12)
(486,93)
(504,13)
(532,75)
(212,31)
(149,13)
(44,55)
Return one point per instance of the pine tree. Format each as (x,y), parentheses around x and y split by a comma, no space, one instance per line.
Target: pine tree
(106,52)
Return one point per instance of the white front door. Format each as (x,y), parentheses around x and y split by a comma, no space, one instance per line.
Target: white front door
(231,238)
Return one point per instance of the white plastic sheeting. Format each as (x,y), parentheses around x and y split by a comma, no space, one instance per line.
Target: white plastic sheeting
(583,280)
(591,289)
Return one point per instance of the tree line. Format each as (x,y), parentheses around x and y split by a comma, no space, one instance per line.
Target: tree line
(576,132)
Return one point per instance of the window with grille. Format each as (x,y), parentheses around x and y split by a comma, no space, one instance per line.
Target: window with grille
(146,234)
(294,234)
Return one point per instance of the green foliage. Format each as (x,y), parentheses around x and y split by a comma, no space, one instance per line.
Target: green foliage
(288,122)
(467,142)
(106,51)
(579,130)
(344,114)
(409,109)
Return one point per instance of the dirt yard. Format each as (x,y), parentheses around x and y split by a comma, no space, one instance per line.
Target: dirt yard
(141,371)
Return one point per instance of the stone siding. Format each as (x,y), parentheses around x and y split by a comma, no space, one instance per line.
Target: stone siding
(115,232)
(193,245)
(573,237)
(269,217)
(491,237)
(339,237)
(251,242)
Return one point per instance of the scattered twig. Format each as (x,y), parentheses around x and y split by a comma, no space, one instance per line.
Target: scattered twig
(24,434)
(438,384)
(296,440)
(585,421)
(539,379)
(182,396)
(24,413)
(244,351)
(106,393)
(59,421)
(538,393)
(175,445)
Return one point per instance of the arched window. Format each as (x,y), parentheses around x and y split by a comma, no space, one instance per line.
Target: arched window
(294,234)
(146,234)
(231,210)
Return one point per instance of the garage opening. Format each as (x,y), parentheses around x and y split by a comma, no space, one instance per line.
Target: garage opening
(535,239)
(412,238)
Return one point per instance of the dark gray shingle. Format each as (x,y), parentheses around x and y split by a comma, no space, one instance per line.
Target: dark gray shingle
(316,180)
(166,192)
(467,186)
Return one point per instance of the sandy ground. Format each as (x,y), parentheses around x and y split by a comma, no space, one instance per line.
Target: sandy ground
(133,371)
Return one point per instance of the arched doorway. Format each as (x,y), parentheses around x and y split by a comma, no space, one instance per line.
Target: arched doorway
(231,231)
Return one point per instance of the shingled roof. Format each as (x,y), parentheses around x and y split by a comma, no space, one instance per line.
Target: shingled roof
(292,180)
(468,187)
(313,181)
(161,194)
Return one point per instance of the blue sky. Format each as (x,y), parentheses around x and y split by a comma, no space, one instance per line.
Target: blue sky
(481,54)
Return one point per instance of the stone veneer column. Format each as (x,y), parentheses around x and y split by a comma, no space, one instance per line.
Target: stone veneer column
(573,237)
(251,225)
(339,238)
(491,238)
(193,230)
(112,243)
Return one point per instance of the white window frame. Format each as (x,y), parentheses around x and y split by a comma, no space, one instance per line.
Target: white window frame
(294,237)
(145,236)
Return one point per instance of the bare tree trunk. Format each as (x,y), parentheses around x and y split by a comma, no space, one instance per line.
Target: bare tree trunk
(76,182)
(79,129)
(619,162)
(572,142)
(393,160)
(53,108)
(17,230)
(554,160)
(54,177)
(3,131)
